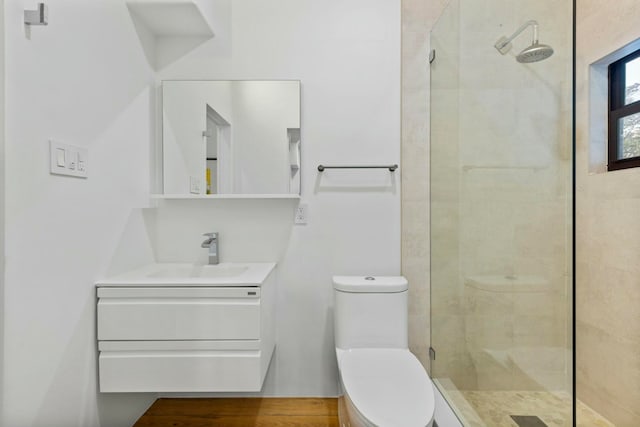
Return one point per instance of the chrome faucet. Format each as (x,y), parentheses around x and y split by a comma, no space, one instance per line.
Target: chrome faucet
(212,244)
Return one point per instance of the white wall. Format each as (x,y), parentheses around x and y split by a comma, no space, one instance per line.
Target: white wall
(347,56)
(83,80)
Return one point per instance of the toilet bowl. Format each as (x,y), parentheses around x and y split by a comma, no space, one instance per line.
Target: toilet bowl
(383,383)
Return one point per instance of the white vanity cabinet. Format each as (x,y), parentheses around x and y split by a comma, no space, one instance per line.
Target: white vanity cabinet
(185,337)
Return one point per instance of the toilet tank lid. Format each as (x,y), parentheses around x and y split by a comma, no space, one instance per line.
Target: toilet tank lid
(370,284)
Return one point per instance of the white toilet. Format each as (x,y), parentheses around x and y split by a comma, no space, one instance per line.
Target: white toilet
(384,385)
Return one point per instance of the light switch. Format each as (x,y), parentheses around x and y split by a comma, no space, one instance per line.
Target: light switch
(68,160)
(60,157)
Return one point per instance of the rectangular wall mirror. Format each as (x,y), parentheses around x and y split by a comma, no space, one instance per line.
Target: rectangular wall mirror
(231,137)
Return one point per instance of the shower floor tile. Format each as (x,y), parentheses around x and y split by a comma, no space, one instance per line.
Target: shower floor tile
(496,408)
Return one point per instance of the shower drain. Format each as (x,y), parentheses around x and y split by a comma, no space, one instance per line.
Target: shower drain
(528,421)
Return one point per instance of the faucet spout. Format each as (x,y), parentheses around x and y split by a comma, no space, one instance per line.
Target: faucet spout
(211,243)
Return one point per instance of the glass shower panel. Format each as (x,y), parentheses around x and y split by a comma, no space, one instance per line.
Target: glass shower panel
(501,219)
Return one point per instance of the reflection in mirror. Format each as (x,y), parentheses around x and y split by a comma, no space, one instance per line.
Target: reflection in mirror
(231,137)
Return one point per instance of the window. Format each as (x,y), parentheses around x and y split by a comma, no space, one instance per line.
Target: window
(624,112)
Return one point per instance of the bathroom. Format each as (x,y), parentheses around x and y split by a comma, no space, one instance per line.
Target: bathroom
(92,79)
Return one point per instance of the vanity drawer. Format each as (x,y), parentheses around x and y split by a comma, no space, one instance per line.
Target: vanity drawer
(148,313)
(181,371)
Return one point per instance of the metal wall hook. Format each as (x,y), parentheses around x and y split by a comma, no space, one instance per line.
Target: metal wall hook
(40,16)
(432,56)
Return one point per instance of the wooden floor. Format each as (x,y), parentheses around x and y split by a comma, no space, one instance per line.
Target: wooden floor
(241,412)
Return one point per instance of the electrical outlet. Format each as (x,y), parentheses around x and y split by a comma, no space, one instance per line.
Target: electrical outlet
(301,213)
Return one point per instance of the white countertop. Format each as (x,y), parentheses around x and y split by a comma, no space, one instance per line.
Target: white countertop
(182,274)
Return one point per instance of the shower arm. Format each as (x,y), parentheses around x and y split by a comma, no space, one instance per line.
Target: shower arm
(504,42)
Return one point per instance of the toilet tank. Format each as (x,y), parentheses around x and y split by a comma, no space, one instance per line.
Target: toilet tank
(370,312)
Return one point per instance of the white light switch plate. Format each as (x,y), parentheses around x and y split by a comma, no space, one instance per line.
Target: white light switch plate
(68,160)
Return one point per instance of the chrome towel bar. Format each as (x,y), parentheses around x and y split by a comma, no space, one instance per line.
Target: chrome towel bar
(391,168)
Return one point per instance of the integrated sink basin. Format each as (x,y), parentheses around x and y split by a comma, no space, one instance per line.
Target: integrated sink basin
(205,271)
(177,274)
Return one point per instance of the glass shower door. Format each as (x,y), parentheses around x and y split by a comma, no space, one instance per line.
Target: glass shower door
(501,219)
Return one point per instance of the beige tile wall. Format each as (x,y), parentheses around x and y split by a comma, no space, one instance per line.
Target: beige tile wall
(608,238)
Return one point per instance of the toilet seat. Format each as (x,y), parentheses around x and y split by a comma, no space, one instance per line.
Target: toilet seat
(389,387)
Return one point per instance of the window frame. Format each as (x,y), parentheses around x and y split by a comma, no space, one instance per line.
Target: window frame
(618,110)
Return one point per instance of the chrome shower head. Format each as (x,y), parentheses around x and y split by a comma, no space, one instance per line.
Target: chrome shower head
(534,53)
